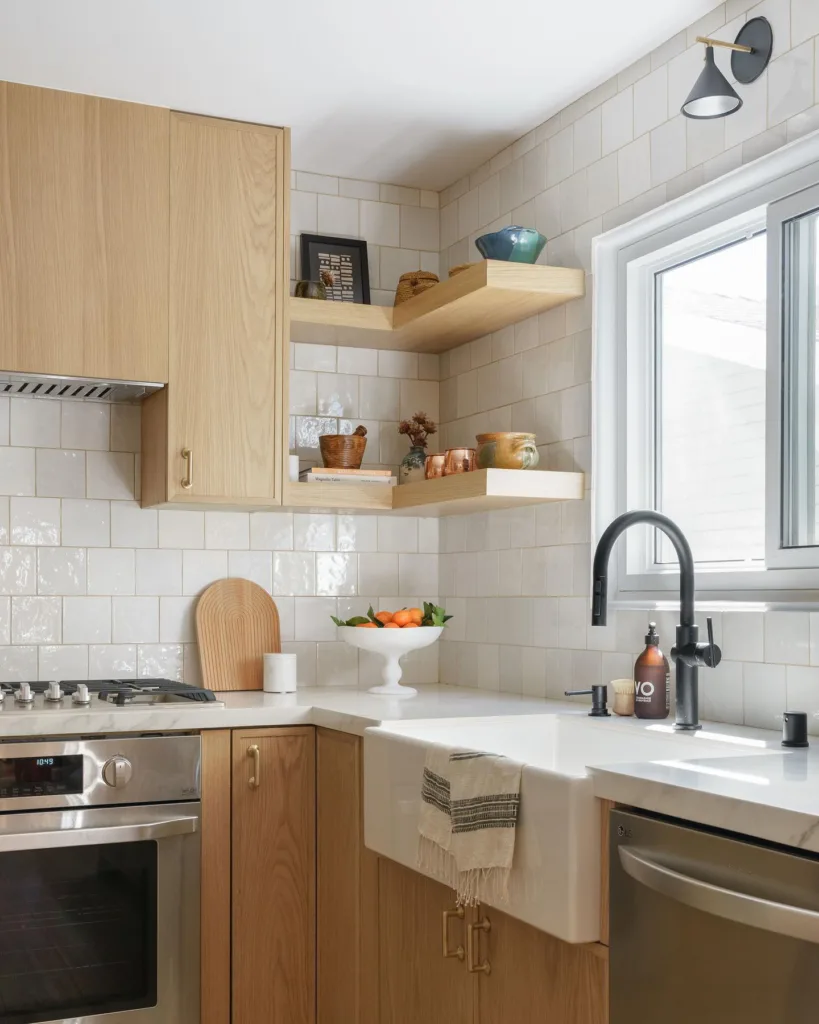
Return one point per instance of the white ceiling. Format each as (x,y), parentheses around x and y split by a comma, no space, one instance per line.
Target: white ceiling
(404,91)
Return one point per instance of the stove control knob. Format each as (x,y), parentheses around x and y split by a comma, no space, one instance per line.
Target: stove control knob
(117,772)
(54,693)
(23,694)
(81,695)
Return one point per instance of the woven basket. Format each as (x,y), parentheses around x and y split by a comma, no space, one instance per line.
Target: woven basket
(414,283)
(461,266)
(342,451)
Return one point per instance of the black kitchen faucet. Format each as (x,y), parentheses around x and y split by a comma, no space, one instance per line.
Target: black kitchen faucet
(687,653)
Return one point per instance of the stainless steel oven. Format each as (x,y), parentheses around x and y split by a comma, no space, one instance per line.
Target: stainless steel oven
(99,881)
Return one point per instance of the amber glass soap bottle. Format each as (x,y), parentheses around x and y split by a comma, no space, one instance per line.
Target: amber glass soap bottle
(651,678)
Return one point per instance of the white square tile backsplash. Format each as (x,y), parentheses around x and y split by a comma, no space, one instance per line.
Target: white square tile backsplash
(612,155)
(119,596)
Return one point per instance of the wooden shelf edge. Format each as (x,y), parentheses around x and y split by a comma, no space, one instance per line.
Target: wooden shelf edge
(488,296)
(480,491)
(338,497)
(487,489)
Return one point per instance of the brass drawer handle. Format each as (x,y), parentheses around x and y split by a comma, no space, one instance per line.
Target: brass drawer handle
(255,779)
(485,967)
(187,479)
(459,950)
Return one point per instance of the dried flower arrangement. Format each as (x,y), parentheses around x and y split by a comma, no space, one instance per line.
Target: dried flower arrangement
(418,429)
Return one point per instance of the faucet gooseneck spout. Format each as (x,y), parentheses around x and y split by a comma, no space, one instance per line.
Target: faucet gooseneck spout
(687,653)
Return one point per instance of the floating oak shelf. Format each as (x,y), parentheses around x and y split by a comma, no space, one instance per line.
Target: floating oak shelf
(488,296)
(320,497)
(480,491)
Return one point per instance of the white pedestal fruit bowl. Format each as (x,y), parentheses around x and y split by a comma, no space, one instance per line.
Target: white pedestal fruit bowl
(391,644)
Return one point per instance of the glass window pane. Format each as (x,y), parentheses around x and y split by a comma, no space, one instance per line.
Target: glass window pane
(800,519)
(710,412)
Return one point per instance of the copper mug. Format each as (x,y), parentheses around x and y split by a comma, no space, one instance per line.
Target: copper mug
(434,466)
(459,460)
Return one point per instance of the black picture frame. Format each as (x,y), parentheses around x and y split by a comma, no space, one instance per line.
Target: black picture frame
(347,254)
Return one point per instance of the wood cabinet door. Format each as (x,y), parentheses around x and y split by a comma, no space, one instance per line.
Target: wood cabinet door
(227,310)
(84,208)
(347,887)
(418,984)
(537,979)
(273,876)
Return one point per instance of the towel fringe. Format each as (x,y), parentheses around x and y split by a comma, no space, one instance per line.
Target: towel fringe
(490,885)
(436,861)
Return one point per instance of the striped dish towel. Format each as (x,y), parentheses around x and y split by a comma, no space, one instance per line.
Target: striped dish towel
(469,812)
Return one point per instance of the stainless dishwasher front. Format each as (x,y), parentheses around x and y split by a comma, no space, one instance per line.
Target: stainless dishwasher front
(708,928)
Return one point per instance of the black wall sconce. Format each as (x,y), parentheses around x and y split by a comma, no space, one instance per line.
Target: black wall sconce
(713,95)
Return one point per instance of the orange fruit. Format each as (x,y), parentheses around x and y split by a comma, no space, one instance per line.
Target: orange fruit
(410,625)
(384,617)
(391,625)
(402,618)
(366,625)
(417,615)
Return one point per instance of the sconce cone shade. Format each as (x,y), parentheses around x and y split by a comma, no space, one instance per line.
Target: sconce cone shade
(712,95)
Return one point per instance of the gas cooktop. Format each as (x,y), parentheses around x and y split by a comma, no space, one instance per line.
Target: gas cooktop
(84,693)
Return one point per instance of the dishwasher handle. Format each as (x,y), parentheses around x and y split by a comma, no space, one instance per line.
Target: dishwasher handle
(56,838)
(743,908)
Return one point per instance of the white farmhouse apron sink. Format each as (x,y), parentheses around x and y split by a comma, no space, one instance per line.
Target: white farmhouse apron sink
(555,879)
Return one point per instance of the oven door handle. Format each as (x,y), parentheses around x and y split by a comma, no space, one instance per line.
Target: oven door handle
(46,839)
(741,907)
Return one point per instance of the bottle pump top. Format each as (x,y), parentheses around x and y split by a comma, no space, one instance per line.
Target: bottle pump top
(652,636)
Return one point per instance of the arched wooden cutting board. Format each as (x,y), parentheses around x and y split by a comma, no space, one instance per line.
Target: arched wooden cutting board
(236,623)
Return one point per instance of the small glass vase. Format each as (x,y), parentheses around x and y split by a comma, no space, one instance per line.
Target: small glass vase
(412,465)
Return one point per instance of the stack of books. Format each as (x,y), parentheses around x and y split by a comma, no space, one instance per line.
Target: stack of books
(318,475)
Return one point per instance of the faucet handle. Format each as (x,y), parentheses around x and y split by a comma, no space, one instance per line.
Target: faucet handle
(710,653)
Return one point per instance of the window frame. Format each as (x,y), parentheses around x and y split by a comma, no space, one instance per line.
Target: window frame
(743,201)
(777,431)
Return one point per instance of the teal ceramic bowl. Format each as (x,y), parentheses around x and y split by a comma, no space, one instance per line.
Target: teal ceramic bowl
(514,244)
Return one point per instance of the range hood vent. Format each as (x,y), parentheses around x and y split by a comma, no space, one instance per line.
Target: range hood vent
(47,386)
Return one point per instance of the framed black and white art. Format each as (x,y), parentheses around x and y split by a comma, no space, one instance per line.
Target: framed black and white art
(341,263)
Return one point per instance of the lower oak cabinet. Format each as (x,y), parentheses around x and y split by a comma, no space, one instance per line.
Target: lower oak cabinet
(258,876)
(393,949)
(302,924)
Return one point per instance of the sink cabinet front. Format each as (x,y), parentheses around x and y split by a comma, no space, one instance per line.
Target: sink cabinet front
(417,982)
(533,978)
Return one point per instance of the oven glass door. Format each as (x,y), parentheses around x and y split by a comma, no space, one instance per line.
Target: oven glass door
(77,931)
(99,915)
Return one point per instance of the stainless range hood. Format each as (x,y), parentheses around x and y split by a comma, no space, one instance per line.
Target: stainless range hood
(49,386)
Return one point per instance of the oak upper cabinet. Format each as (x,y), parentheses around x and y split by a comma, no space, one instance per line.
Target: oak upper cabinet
(418,983)
(84,206)
(216,434)
(273,876)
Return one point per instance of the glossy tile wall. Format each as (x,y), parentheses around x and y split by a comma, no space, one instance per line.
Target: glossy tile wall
(333,390)
(401,225)
(519,582)
(93,585)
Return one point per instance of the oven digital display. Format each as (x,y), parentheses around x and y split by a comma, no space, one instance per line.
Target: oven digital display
(40,776)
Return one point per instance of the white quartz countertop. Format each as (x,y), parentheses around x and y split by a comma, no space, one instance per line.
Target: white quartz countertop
(763,791)
(775,797)
(345,709)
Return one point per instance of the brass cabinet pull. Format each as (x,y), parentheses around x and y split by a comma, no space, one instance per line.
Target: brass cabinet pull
(187,479)
(485,967)
(459,950)
(255,779)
